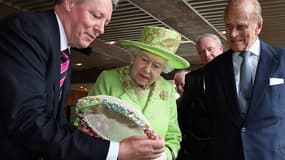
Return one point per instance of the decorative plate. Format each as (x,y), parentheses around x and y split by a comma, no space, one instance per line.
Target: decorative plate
(112,118)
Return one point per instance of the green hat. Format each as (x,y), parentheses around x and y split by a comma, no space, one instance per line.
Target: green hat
(161,42)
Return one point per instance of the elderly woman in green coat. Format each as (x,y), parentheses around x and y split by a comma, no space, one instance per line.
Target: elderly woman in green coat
(141,84)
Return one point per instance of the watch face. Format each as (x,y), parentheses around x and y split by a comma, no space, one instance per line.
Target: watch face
(112,118)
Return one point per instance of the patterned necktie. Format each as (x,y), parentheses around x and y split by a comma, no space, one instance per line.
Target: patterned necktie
(64,66)
(245,84)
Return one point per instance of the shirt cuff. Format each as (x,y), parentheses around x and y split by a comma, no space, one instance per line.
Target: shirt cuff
(113,151)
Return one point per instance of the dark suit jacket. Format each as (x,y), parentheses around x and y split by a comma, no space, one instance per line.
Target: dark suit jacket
(261,136)
(31,114)
(193,118)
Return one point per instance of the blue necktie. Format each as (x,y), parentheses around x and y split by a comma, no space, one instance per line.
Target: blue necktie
(245,84)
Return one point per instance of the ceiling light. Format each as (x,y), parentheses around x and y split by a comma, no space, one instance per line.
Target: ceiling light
(111,42)
(78,64)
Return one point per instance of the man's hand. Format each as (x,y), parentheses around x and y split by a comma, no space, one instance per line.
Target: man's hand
(84,128)
(137,148)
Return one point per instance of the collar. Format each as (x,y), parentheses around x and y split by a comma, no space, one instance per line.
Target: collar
(63,38)
(255,49)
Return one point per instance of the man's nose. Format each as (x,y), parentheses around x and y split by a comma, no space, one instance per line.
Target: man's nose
(100,27)
(233,32)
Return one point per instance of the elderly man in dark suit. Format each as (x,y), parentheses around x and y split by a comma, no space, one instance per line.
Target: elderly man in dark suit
(192,113)
(35,85)
(245,91)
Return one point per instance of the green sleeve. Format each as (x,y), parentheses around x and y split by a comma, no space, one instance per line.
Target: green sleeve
(173,136)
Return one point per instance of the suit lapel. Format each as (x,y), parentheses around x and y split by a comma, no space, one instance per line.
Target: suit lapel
(266,64)
(130,96)
(229,88)
(125,78)
(156,93)
(53,73)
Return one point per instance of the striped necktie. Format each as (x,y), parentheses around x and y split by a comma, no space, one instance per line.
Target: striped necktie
(64,66)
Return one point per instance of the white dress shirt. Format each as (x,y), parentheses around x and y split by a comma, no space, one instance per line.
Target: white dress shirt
(253,61)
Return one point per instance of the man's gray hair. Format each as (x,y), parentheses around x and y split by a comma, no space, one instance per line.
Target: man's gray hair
(215,37)
(257,8)
(114,2)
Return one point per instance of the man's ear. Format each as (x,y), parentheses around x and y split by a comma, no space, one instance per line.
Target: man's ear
(259,26)
(68,4)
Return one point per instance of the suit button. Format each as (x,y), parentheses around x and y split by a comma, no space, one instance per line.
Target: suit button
(243,129)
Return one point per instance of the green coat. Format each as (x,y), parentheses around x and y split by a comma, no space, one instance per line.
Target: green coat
(159,109)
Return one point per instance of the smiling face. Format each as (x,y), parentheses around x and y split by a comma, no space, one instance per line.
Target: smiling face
(208,48)
(85,20)
(242,26)
(146,68)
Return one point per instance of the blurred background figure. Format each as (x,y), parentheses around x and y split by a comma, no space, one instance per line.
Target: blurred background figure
(192,114)
(179,81)
(142,85)
(208,47)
